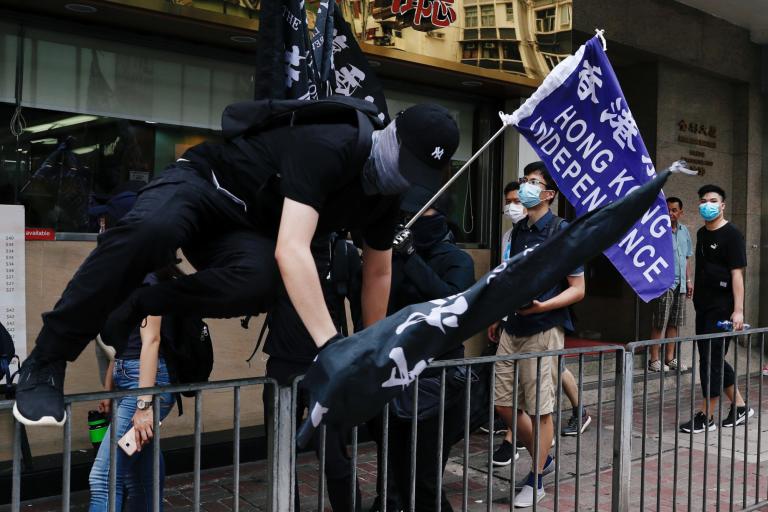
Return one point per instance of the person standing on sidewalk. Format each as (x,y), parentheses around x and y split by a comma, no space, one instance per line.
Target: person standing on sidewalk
(721,257)
(669,309)
(515,211)
(139,364)
(537,328)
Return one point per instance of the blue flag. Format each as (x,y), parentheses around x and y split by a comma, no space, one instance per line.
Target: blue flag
(580,125)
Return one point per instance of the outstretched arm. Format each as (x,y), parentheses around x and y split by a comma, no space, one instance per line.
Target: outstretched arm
(298,270)
(377,279)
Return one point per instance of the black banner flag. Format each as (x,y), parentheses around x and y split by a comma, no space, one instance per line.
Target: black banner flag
(353,379)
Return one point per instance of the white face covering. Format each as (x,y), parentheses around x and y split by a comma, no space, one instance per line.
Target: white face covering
(514,212)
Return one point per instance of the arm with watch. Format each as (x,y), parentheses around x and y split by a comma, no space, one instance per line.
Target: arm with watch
(150,353)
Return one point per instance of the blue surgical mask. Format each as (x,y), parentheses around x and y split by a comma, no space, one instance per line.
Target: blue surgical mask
(529,195)
(709,211)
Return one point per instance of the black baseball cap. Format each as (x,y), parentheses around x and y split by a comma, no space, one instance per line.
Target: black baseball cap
(428,137)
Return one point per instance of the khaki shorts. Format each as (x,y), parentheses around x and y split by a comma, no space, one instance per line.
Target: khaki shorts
(551,339)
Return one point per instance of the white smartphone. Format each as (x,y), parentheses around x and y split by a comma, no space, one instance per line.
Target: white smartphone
(128,441)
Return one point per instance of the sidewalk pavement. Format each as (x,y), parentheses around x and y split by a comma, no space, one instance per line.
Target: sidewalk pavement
(662,478)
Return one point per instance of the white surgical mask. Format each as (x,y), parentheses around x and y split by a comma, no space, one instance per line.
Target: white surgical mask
(514,212)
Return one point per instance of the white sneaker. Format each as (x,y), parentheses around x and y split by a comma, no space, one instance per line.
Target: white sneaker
(656,366)
(524,498)
(675,365)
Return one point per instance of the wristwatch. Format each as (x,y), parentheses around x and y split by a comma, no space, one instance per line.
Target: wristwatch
(142,404)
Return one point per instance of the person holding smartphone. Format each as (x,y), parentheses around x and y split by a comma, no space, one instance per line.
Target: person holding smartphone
(139,364)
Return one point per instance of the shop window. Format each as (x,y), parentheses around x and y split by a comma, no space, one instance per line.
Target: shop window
(565,16)
(98,118)
(545,20)
(490,51)
(511,51)
(487,15)
(470,17)
(469,51)
(106,78)
(461,200)
(510,9)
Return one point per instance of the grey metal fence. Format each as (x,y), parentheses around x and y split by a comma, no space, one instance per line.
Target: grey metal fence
(633,457)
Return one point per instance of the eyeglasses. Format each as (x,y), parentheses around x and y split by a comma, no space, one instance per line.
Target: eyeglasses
(533,181)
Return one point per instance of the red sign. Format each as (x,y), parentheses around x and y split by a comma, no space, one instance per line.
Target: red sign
(438,13)
(39,234)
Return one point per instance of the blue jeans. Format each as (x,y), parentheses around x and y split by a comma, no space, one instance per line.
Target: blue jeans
(134,474)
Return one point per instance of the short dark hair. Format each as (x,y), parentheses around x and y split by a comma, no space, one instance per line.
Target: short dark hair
(511,187)
(706,189)
(673,199)
(541,168)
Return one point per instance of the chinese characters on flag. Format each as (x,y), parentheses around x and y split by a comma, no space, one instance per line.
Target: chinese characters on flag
(439,13)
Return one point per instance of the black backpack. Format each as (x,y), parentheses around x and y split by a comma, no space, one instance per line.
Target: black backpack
(249,117)
(187,349)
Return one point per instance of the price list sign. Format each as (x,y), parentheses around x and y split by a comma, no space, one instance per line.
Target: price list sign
(13,313)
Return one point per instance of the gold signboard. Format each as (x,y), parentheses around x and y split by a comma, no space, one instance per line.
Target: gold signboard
(522,37)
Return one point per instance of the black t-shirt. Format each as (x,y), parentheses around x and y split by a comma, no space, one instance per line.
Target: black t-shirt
(717,253)
(317,165)
(132,349)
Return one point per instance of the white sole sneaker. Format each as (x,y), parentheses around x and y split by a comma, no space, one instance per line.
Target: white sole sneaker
(524,498)
(506,462)
(45,421)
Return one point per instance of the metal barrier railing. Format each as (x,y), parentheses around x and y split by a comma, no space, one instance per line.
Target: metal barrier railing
(601,468)
(696,470)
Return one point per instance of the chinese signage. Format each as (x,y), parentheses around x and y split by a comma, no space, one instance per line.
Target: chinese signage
(13,312)
(703,135)
(426,13)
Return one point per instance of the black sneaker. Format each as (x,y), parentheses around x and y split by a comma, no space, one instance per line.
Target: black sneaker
(572,428)
(735,418)
(498,427)
(503,456)
(698,424)
(40,392)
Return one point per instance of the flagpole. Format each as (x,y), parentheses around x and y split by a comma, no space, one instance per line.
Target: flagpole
(456,176)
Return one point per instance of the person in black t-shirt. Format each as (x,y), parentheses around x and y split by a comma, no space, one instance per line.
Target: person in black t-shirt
(718,295)
(244,213)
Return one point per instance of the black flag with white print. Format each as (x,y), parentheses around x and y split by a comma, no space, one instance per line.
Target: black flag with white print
(351,380)
(353,75)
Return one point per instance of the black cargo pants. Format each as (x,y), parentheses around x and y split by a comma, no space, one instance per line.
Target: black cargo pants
(236,269)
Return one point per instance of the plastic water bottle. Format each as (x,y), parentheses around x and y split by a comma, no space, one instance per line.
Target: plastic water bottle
(727,325)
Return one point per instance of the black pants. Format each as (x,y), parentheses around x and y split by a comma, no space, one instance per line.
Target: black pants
(338,466)
(426,473)
(711,360)
(237,273)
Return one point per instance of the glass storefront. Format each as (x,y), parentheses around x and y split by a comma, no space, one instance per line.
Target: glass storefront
(96,118)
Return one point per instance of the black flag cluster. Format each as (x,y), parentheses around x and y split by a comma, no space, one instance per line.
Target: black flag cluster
(295,63)
(353,379)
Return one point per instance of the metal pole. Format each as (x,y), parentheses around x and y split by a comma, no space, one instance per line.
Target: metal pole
(456,176)
(622,436)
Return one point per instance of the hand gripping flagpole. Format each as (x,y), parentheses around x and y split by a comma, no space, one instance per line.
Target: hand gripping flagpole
(506,119)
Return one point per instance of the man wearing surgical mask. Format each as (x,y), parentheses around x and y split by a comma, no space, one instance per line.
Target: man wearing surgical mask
(721,257)
(538,328)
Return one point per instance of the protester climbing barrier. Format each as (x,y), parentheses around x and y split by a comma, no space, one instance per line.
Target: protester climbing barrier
(633,456)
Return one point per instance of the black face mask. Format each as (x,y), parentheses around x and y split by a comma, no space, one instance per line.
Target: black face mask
(427,231)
